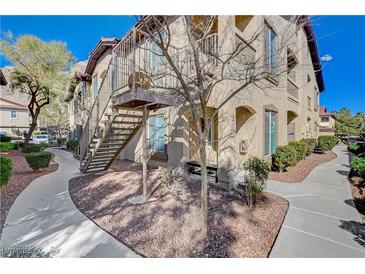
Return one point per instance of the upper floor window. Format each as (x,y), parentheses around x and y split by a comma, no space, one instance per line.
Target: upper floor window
(13,114)
(325,119)
(155,58)
(270,47)
(95,85)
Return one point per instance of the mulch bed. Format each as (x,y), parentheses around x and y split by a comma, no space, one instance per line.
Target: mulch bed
(168,227)
(21,177)
(297,173)
(358,194)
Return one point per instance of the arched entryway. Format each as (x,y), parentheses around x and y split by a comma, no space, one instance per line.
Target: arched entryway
(291,128)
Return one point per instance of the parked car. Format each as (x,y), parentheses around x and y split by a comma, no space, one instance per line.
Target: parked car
(41,139)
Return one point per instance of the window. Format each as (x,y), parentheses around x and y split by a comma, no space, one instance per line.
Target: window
(156,132)
(83,93)
(210,133)
(13,114)
(309,103)
(95,85)
(325,119)
(270,47)
(270,132)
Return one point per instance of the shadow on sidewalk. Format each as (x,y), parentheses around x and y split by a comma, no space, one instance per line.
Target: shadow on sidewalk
(357,229)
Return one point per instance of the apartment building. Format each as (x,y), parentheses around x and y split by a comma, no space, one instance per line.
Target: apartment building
(327,122)
(260,117)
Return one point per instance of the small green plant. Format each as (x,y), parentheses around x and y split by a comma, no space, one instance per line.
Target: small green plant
(73,145)
(6,146)
(6,168)
(300,149)
(25,252)
(358,166)
(284,157)
(33,148)
(61,141)
(327,142)
(354,148)
(5,138)
(38,160)
(311,145)
(257,174)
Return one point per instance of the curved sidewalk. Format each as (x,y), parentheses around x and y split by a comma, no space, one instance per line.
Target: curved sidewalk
(44,216)
(322,220)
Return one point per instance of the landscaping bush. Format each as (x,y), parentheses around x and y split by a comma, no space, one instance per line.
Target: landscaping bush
(284,157)
(6,167)
(257,174)
(73,145)
(300,148)
(21,144)
(358,166)
(5,138)
(61,141)
(6,146)
(33,148)
(327,142)
(354,148)
(38,160)
(311,145)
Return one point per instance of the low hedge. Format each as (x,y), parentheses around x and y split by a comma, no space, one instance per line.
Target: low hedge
(33,148)
(300,149)
(6,146)
(311,145)
(73,145)
(6,167)
(284,157)
(38,160)
(354,148)
(358,166)
(327,142)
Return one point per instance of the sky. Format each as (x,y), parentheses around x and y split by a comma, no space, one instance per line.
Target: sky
(341,37)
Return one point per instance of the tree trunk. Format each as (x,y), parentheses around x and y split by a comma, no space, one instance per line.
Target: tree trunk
(204,188)
(33,126)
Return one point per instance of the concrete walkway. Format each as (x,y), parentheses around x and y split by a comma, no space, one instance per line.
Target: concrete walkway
(322,220)
(44,216)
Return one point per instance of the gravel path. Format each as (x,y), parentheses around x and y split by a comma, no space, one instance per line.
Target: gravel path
(44,216)
(21,177)
(322,220)
(297,173)
(167,227)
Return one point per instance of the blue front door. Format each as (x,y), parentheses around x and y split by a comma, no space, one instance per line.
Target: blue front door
(157,133)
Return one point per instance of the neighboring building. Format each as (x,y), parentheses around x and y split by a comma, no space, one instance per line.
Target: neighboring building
(85,83)
(14,118)
(253,123)
(327,122)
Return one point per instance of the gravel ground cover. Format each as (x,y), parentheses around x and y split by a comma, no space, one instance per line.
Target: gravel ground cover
(297,173)
(21,177)
(166,226)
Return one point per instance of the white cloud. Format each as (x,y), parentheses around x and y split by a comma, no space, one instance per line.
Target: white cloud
(326,58)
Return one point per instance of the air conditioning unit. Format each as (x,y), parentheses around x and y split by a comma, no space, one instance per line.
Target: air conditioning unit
(243,146)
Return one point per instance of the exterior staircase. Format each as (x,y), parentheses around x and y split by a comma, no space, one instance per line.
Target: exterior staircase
(119,128)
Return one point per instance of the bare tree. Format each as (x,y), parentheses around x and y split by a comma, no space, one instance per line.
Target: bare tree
(190,60)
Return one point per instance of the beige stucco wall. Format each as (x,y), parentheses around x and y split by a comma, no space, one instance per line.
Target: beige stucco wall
(22,120)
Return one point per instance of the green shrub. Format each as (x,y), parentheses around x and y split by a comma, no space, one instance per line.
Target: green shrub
(61,141)
(358,166)
(258,172)
(6,146)
(33,148)
(38,160)
(300,149)
(5,138)
(311,145)
(6,167)
(21,144)
(327,142)
(354,148)
(73,145)
(284,157)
